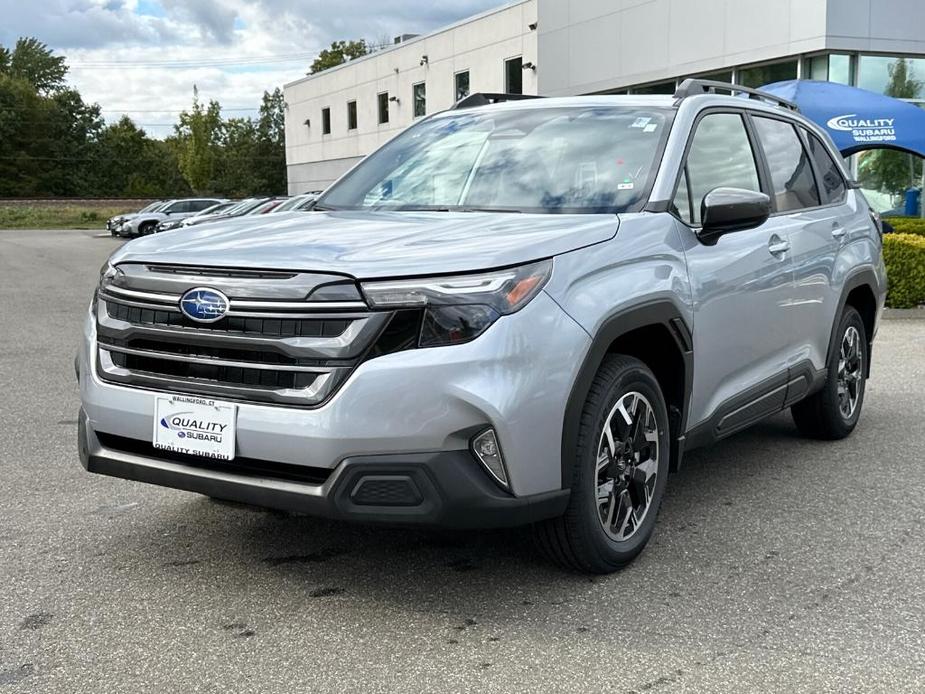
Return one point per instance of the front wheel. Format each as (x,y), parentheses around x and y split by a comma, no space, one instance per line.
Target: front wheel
(620,471)
(833,412)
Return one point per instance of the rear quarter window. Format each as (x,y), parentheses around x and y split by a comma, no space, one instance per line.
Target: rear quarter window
(794,185)
(831,181)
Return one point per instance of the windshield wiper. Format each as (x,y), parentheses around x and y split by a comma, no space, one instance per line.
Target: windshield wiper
(489,209)
(460,208)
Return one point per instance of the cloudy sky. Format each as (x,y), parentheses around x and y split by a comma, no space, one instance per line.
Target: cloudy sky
(142,57)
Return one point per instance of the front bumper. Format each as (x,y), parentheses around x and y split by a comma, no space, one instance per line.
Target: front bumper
(415,410)
(445,489)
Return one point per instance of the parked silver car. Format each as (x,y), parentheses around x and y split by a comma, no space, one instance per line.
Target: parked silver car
(211,211)
(114,223)
(512,313)
(146,223)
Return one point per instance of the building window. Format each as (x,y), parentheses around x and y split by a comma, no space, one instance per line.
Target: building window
(351,115)
(462,85)
(668,87)
(383,108)
(718,76)
(325,121)
(894,76)
(766,74)
(840,69)
(419,97)
(514,76)
(817,68)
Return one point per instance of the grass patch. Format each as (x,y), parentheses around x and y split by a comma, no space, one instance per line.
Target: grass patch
(40,216)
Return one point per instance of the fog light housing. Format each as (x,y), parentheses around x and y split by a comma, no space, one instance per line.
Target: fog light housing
(485,447)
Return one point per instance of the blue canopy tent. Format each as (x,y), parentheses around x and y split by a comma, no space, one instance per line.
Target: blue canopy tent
(856,118)
(860,120)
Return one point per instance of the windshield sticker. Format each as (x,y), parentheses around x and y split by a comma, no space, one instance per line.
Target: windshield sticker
(641,122)
(650,128)
(625,186)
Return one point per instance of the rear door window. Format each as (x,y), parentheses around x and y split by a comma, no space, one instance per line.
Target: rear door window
(794,186)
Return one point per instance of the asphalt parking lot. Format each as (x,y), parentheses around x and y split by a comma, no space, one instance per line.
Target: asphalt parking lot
(778,563)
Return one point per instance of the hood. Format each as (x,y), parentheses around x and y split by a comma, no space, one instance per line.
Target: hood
(374,244)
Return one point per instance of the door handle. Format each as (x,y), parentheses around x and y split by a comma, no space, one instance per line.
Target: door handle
(837,230)
(777,245)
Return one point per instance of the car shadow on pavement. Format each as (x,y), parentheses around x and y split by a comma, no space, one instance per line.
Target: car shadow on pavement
(461,573)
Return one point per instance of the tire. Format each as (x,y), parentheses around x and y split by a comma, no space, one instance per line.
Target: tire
(147,228)
(578,540)
(833,412)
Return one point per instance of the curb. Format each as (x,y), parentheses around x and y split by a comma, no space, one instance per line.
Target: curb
(904,313)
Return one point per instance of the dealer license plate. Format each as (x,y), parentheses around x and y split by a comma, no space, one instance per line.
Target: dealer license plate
(195,426)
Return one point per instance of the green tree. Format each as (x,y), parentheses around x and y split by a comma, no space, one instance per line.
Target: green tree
(72,133)
(32,61)
(22,139)
(338,54)
(270,152)
(198,137)
(238,171)
(123,147)
(888,170)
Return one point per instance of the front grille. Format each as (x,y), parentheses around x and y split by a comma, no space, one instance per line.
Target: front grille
(283,327)
(232,375)
(273,346)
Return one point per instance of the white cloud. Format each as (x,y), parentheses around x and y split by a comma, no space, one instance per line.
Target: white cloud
(142,57)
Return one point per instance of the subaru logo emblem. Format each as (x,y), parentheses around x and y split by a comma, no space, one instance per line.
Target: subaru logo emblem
(204,305)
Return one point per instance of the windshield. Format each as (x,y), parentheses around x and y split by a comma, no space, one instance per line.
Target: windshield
(241,206)
(211,209)
(289,204)
(151,207)
(557,160)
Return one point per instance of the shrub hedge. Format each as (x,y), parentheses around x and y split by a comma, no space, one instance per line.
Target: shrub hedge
(907,225)
(904,255)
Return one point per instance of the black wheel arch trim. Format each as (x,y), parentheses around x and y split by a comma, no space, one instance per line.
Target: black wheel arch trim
(662,312)
(859,278)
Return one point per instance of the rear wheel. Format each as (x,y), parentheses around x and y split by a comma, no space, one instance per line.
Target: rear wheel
(833,412)
(620,471)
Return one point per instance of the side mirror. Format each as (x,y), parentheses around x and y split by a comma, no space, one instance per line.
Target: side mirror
(725,210)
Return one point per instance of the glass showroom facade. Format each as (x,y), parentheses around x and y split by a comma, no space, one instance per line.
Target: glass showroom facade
(872,72)
(884,175)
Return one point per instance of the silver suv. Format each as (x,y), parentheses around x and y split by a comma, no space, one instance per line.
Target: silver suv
(521,312)
(145,222)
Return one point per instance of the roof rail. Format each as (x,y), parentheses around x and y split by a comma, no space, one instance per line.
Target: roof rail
(486,98)
(693,86)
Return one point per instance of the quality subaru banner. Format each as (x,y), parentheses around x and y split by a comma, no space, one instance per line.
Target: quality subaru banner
(856,118)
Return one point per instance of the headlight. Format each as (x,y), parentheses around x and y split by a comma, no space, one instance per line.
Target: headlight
(461,307)
(108,274)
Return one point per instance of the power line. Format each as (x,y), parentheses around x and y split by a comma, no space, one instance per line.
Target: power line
(192,63)
(135,110)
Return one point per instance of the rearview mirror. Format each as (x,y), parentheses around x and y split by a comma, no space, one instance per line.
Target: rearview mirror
(725,210)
